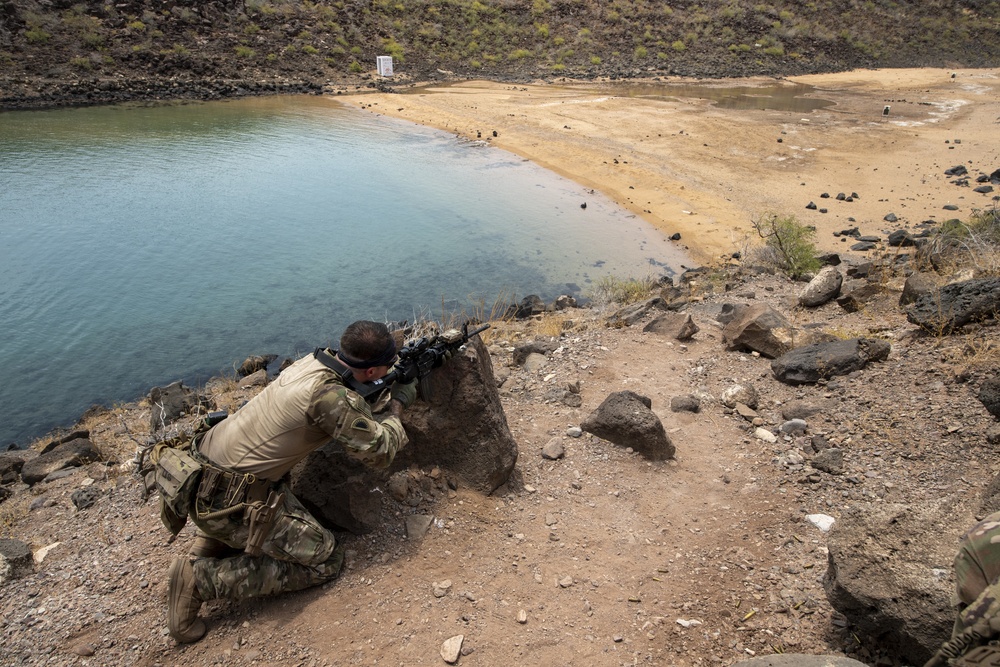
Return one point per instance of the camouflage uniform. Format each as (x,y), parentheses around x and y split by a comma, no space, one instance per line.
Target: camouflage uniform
(306,407)
(977,566)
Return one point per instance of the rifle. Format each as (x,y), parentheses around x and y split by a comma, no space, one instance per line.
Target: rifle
(981,656)
(976,643)
(417,358)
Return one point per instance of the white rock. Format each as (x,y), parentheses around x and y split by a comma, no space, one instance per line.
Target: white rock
(40,555)
(452,648)
(765,435)
(821,521)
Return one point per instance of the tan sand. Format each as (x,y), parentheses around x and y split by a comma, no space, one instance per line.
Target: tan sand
(689,167)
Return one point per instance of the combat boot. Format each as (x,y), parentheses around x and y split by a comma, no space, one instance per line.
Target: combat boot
(183,603)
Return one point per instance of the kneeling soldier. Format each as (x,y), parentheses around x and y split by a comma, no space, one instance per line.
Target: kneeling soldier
(255,537)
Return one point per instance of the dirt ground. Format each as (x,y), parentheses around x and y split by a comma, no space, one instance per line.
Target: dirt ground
(608,559)
(600,557)
(687,166)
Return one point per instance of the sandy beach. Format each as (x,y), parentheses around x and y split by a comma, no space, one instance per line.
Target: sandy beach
(686,166)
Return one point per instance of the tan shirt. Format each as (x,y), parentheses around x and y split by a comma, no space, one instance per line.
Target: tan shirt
(304,408)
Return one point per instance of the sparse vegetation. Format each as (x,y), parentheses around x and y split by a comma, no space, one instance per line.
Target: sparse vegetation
(788,244)
(974,242)
(611,290)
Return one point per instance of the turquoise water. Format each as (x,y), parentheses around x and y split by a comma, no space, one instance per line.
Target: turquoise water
(143,245)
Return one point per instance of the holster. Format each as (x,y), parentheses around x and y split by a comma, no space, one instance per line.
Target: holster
(261,516)
(224,492)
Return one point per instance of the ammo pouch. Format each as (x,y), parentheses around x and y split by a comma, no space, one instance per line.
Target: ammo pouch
(177,475)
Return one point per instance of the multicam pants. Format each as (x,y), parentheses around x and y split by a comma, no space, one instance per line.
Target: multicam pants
(298,553)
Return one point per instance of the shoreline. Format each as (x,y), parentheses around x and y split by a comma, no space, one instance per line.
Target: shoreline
(688,167)
(679,161)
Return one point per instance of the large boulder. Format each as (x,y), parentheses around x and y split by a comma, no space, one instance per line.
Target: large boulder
(72,454)
(674,325)
(917,284)
(522,352)
(989,395)
(820,361)
(800,660)
(254,363)
(888,574)
(170,403)
(15,560)
(630,314)
(953,306)
(11,464)
(627,420)
(858,294)
(759,328)
(822,288)
(460,428)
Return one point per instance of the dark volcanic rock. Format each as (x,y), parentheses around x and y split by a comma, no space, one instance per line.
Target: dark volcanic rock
(955,305)
(460,428)
(989,395)
(879,576)
(626,419)
(68,455)
(819,361)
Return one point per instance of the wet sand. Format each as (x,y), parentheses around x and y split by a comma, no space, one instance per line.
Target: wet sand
(689,167)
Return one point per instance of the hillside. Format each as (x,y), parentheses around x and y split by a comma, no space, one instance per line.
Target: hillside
(66,52)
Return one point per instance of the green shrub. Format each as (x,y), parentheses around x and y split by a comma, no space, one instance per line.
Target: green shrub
(393,48)
(81,63)
(137,26)
(595,60)
(310,49)
(37,36)
(678,46)
(519,54)
(558,67)
(777,50)
(356,67)
(641,52)
(245,51)
(790,241)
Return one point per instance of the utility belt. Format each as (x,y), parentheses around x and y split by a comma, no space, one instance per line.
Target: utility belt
(223,492)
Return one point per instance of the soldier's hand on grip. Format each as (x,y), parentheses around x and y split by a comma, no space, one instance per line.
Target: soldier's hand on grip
(404,393)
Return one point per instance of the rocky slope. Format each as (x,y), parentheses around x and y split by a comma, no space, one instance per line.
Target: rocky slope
(597,556)
(63,53)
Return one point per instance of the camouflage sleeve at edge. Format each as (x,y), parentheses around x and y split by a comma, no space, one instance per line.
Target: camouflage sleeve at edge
(348,419)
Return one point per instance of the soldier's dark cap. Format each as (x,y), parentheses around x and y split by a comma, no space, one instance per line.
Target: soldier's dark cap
(386,357)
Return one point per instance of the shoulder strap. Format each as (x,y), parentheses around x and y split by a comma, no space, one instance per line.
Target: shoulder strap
(370,391)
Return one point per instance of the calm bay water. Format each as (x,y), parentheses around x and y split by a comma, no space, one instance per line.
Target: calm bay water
(143,245)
